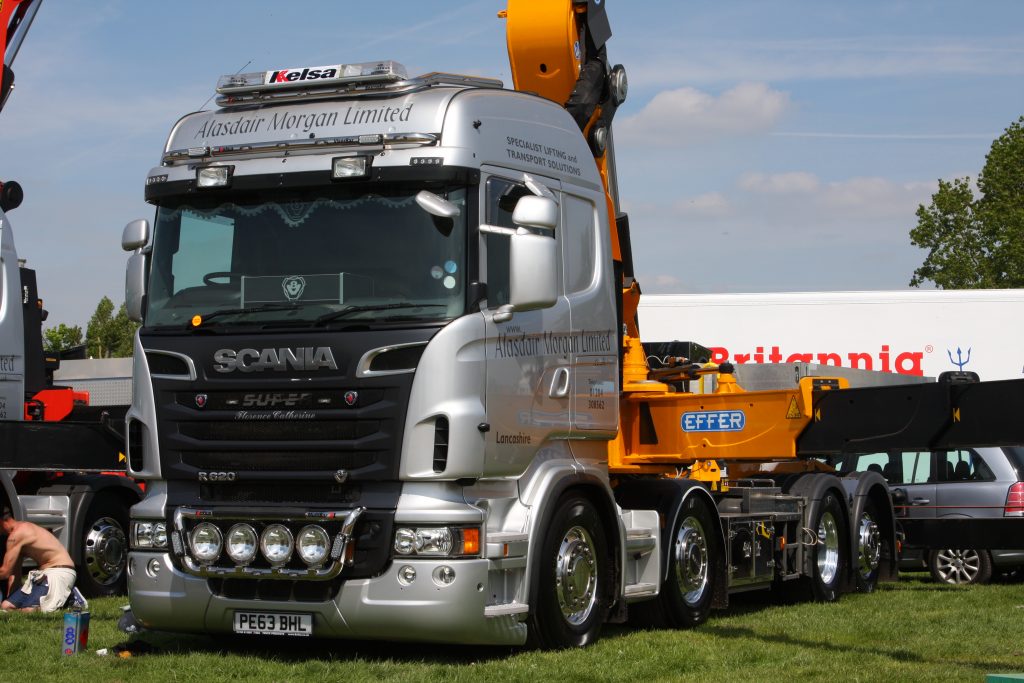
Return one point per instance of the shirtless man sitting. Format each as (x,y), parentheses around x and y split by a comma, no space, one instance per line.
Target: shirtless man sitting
(45,589)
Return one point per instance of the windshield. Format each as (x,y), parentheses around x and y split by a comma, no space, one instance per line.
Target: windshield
(307,259)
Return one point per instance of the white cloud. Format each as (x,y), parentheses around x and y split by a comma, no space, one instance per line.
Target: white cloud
(882,56)
(708,204)
(669,282)
(779,183)
(686,115)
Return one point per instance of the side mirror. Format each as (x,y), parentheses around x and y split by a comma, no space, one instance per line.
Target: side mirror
(536,212)
(436,206)
(135,285)
(135,235)
(533,271)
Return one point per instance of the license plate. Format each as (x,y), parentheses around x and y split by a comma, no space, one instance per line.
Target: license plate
(274,623)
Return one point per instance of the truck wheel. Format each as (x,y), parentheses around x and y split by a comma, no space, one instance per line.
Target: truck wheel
(104,556)
(829,557)
(574,578)
(960,567)
(869,548)
(684,600)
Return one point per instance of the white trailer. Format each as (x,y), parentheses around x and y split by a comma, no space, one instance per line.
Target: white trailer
(911,332)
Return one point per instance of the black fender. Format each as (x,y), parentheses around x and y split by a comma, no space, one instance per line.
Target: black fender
(596,490)
(668,497)
(82,491)
(812,487)
(863,487)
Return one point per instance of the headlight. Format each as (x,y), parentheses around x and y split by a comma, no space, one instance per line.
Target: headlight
(241,543)
(160,535)
(313,543)
(142,534)
(437,541)
(276,544)
(205,541)
(149,535)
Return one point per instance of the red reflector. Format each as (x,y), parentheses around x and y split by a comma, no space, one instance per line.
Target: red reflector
(1015,501)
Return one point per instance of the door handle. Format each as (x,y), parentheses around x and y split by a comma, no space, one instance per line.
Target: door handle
(559,383)
(919,501)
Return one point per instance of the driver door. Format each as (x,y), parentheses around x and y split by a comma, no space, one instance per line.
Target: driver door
(529,378)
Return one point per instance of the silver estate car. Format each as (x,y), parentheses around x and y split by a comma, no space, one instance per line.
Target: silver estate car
(980,482)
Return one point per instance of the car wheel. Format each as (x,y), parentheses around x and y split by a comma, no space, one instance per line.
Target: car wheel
(960,567)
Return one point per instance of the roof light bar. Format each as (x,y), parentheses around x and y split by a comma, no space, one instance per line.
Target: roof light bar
(319,76)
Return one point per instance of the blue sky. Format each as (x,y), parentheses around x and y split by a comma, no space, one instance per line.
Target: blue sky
(764,146)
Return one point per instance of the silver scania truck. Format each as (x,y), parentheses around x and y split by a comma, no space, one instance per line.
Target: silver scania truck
(344,432)
(389,382)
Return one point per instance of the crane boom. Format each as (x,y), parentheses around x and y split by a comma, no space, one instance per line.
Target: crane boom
(16,18)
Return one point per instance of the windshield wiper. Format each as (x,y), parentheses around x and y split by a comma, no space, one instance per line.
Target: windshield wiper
(344,312)
(242,311)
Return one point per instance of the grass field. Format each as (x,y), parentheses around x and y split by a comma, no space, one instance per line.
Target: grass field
(913,630)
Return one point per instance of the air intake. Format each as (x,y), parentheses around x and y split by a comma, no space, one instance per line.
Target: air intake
(136,449)
(171,365)
(440,444)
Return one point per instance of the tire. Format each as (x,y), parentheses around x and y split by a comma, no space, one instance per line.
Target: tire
(573,580)
(684,600)
(869,548)
(103,558)
(960,567)
(829,559)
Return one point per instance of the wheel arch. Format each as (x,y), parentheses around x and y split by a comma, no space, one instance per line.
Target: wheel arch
(597,492)
(84,493)
(9,495)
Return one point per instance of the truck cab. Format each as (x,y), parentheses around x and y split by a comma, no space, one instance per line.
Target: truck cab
(379,328)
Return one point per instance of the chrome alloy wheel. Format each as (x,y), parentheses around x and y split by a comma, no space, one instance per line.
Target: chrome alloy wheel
(576,576)
(869,545)
(828,553)
(105,551)
(691,555)
(958,566)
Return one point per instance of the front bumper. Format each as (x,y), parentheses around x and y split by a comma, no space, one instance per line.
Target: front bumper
(379,608)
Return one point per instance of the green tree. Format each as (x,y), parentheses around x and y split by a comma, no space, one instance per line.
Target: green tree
(61,338)
(110,335)
(976,242)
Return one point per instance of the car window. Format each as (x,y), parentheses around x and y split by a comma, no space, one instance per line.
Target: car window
(1016,456)
(917,468)
(872,462)
(963,465)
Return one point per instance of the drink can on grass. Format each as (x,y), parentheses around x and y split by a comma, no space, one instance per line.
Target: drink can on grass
(75,634)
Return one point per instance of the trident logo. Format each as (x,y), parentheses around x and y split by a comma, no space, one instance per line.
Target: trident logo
(960,361)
